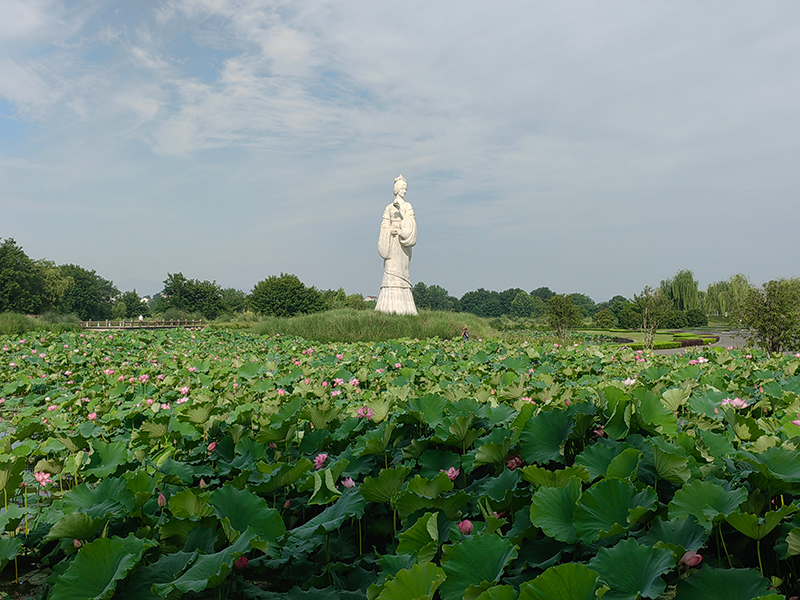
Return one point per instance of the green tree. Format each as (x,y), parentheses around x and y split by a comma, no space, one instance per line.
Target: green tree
(90,296)
(233,300)
(654,306)
(604,319)
(129,305)
(630,316)
(191,295)
(285,296)
(54,285)
(682,290)
(433,297)
(522,306)
(563,315)
(545,293)
(586,303)
(772,313)
(724,298)
(481,302)
(21,283)
(506,298)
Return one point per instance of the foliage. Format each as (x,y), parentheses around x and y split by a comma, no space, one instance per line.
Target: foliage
(285,296)
(483,303)
(191,296)
(562,314)
(544,293)
(433,297)
(725,298)
(54,285)
(348,325)
(233,300)
(585,303)
(253,468)
(131,306)
(523,306)
(772,313)
(674,319)
(90,296)
(654,305)
(682,289)
(604,319)
(21,282)
(696,318)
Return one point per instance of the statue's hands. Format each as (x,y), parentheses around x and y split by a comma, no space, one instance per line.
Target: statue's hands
(395,230)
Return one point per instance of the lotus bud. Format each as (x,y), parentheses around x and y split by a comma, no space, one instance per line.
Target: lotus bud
(77,543)
(287,504)
(162,501)
(202,483)
(212,446)
(241,563)
(465,527)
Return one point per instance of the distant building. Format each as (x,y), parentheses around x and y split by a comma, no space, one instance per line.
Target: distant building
(370,298)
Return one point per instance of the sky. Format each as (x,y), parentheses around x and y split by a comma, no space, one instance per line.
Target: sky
(592,147)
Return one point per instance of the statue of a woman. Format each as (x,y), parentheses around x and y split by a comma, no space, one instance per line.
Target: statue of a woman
(398,235)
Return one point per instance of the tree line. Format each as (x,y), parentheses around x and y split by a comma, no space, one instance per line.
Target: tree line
(37,287)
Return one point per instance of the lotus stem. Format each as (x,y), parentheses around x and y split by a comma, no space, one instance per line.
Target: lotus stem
(758,551)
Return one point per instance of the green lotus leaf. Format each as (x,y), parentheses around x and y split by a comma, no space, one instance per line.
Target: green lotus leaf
(164,570)
(208,571)
(625,465)
(250,370)
(632,571)
(430,407)
(420,582)
(686,534)
(421,538)
(597,457)
(706,501)
(499,592)
(188,505)
(12,516)
(11,469)
(434,461)
(325,490)
(793,542)
(110,497)
(755,527)
(670,461)
(731,584)
(430,488)
(244,509)
(98,567)
(539,476)
(491,453)
(407,503)
(384,487)
(77,525)
(780,463)
(9,548)
(544,435)
(674,398)
(570,581)
(552,510)
(610,507)
(178,469)
(106,458)
(654,413)
(477,559)
(718,445)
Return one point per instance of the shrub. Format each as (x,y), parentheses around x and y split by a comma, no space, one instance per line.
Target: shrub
(604,319)
(674,319)
(696,318)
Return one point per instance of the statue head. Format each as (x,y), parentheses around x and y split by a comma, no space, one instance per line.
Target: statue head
(400,184)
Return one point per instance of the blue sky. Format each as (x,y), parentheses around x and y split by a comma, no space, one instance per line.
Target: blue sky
(590,147)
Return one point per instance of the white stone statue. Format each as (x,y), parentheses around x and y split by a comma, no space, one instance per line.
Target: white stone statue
(398,235)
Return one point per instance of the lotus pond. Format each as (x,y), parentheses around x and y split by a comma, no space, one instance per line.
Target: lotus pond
(214,464)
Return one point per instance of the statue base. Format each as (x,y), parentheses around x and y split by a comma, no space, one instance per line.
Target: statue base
(397,300)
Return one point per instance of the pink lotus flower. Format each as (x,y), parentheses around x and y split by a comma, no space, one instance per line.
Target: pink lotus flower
(160,377)
(348,482)
(339,356)
(162,501)
(690,559)
(514,462)
(212,446)
(144,378)
(319,460)
(76,543)
(241,563)
(281,392)
(365,412)
(338,381)
(397,365)
(354,382)
(735,402)
(109,371)
(452,473)
(527,399)
(42,477)
(192,369)
(184,391)
(465,527)
(52,407)
(797,420)
(629,381)
(92,416)
(336,393)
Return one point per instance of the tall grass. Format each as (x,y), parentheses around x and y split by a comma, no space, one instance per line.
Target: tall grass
(16,324)
(348,325)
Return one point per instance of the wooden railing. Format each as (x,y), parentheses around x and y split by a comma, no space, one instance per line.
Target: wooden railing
(143,324)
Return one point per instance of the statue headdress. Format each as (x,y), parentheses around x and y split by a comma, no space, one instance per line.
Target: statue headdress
(400,182)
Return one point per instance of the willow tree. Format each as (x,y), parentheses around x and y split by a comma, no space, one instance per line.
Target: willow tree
(683,290)
(654,305)
(725,298)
